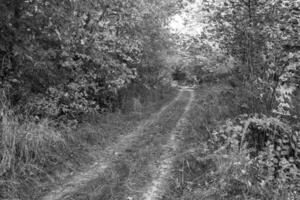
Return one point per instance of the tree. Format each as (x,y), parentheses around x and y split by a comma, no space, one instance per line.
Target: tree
(264,37)
(63,57)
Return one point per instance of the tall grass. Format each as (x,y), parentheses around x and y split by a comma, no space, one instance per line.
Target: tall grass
(27,151)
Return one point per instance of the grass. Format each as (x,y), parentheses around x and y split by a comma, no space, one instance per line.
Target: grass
(25,149)
(35,156)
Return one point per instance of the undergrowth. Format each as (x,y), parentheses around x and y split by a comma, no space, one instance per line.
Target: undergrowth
(231,155)
(33,153)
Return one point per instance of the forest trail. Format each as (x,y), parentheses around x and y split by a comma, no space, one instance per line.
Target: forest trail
(135,167)
(156,189)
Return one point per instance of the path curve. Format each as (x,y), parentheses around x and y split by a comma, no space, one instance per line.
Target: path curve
(81,179)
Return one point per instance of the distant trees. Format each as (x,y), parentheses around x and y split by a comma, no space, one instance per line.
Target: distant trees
(179,75)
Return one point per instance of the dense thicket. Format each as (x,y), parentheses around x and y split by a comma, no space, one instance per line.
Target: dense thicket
(61,57)
(264,37)
(259,40)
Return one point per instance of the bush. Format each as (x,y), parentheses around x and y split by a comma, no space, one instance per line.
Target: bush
(259,152)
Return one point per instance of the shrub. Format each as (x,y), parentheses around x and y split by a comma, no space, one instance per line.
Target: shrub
(259,152)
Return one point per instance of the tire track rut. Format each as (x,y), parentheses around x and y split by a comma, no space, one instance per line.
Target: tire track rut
(155,190)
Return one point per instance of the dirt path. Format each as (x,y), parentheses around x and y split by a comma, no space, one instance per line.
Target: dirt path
(156,189)
(125,169)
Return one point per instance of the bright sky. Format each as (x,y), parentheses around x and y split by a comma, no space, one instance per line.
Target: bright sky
(177,23)
(184,23)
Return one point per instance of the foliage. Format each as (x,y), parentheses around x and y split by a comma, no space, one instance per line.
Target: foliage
(72,57)
(263,37)
(264,152)
(256,156)
(60,60)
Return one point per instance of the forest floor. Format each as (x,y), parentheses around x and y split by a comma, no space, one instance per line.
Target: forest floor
(140,165)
